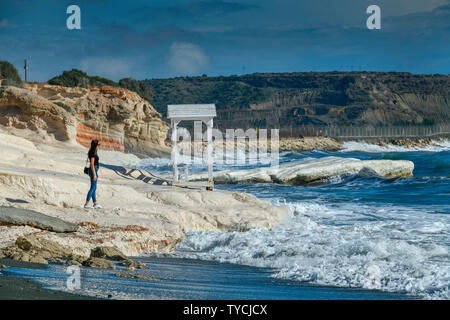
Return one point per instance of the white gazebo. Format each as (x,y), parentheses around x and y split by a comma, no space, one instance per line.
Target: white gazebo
(192,112)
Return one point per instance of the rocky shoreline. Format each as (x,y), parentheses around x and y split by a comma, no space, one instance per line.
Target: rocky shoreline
(43,188)
(313,171)
(32,248)
(325,143)
(42,219)
(332,144)
(409,143)
(309,144)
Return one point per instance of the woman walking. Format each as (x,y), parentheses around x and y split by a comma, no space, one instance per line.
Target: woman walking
(93,174)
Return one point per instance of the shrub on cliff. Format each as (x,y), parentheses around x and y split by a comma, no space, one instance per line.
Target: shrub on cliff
(140,87)
(64,106)
(10,74)
(78,78)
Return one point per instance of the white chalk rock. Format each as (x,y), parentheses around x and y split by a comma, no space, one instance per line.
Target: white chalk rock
(312,170)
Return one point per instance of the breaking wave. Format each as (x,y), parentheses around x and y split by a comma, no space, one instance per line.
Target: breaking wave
(355,146)
(386,248)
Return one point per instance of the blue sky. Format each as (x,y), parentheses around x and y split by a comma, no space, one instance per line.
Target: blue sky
(159,39)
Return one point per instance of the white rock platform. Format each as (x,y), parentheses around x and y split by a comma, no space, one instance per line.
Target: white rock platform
(311,170)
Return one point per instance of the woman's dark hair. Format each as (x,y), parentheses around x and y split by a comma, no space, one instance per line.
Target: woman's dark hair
(93,149)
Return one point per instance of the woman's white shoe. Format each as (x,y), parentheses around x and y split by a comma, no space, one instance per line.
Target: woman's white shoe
(97,206)
(88,206)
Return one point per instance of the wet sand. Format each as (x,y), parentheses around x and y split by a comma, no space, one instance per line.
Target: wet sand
(16,288)
(191,279)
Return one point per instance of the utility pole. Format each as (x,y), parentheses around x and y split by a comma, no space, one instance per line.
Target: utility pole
(26,69)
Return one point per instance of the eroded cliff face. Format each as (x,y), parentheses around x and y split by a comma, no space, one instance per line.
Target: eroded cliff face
(23,109)
(118,117)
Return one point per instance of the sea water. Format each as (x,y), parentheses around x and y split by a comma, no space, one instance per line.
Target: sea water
(352,238)
(391,235)
(193,279)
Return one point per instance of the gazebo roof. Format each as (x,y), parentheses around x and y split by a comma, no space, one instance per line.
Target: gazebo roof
(191,111)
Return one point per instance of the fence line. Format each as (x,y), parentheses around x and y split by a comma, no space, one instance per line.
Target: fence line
(367,131)
(357,132)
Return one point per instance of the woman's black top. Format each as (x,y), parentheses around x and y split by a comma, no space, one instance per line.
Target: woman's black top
(93,155)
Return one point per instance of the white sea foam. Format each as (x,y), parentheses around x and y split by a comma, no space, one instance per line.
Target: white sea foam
(387,248)
(354,146)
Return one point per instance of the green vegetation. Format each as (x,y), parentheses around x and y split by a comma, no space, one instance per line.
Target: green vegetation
(292,100)
(428,122)
(64,106)
(228,93)
(140,87)
(78,78)
(425,122)
(10,74)
(277,100)
(241,92)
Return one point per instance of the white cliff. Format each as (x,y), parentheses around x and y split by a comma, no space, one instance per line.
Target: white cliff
(136,217)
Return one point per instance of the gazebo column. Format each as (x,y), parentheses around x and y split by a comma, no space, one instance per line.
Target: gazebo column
(174,154)
(209,127)
(193,112)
